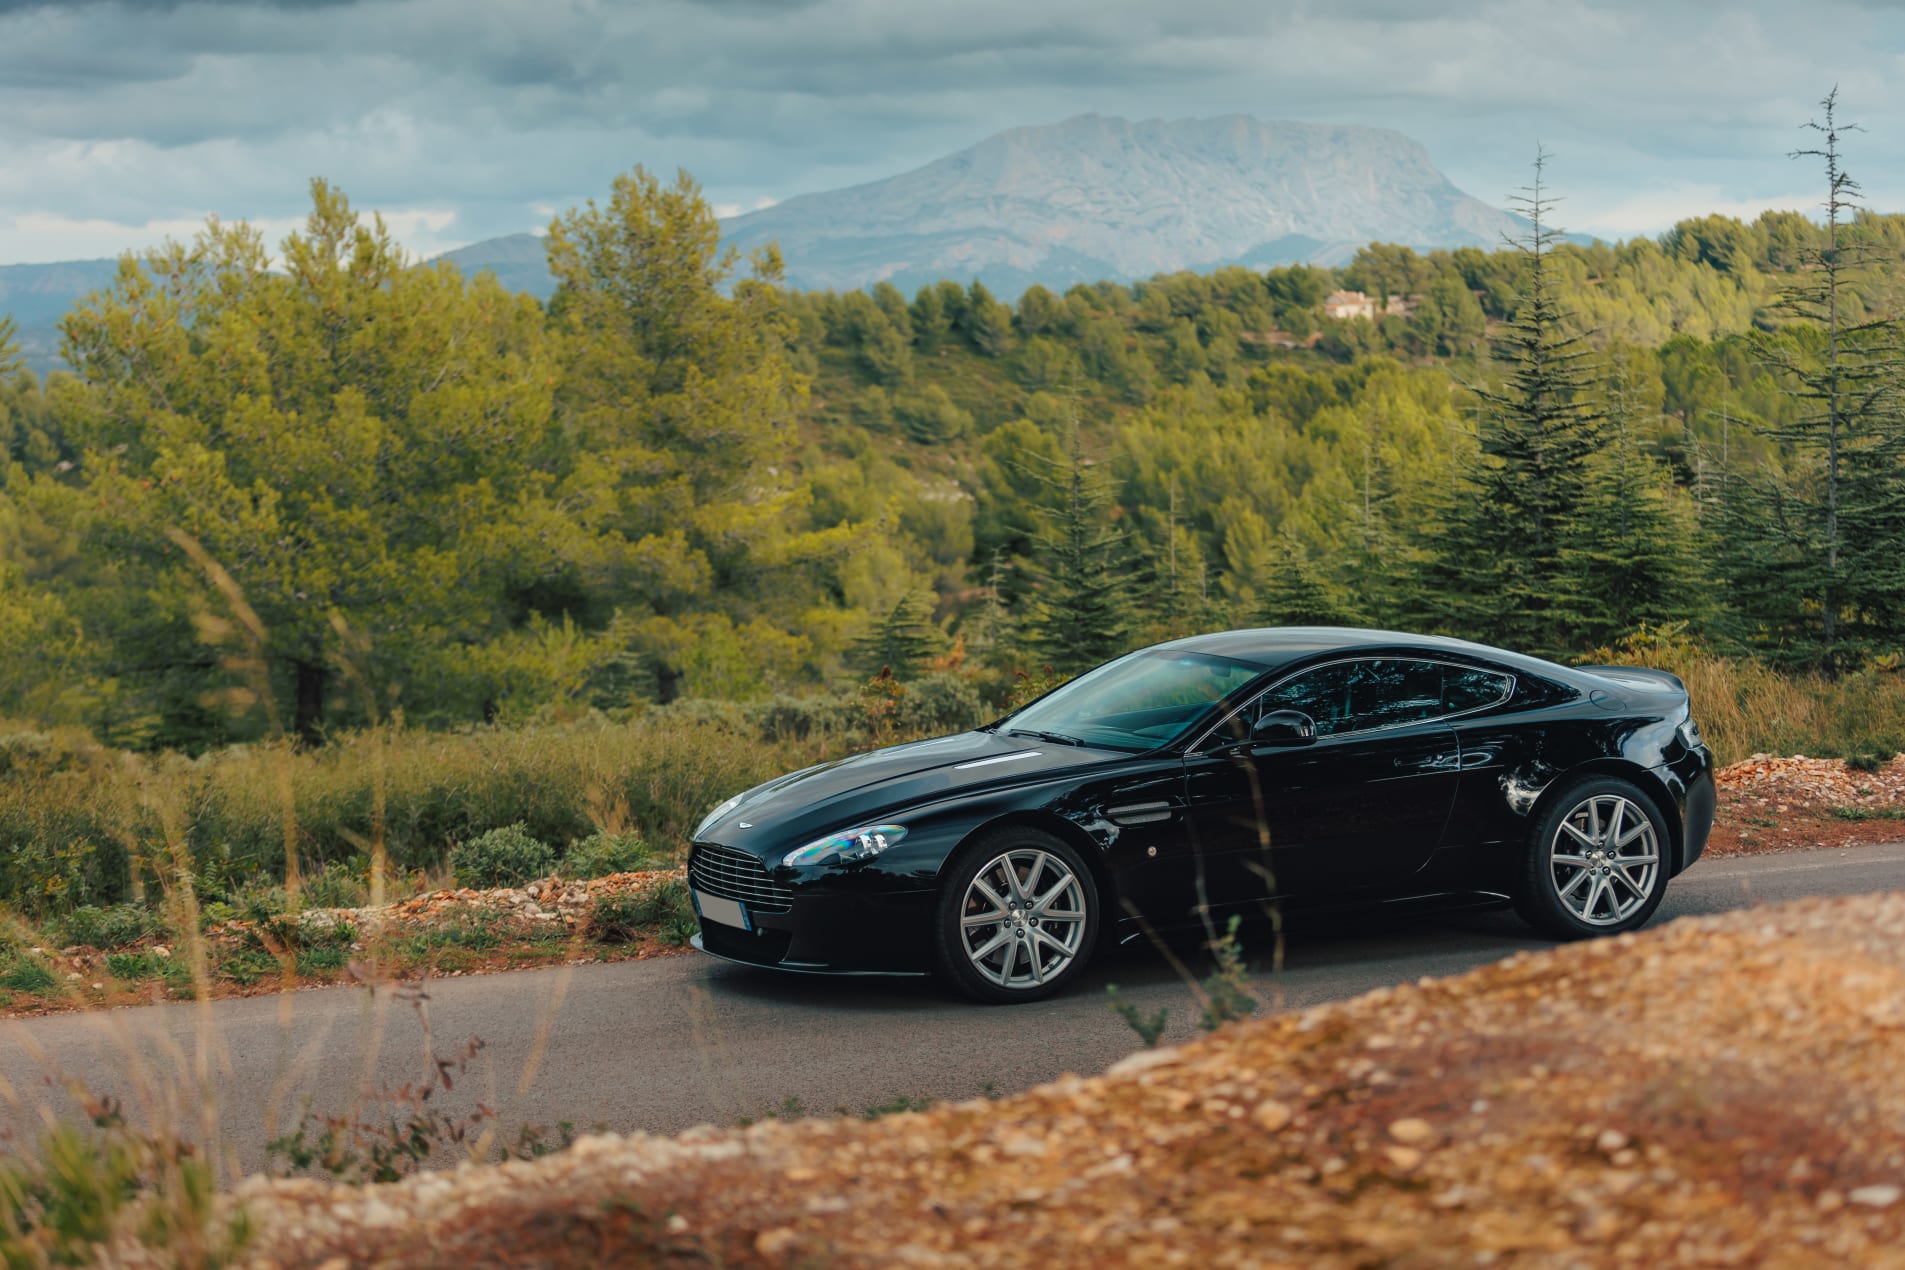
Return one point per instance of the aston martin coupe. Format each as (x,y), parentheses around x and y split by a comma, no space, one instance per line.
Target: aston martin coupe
(1223,773)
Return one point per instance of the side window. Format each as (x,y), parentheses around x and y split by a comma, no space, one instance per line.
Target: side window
(1465,688)
(1323,694)
(1358,696)
(1386,693)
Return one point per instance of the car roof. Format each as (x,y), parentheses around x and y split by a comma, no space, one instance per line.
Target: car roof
(1275,646)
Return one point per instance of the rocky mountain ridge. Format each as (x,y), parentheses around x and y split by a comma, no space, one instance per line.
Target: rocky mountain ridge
(1104,198)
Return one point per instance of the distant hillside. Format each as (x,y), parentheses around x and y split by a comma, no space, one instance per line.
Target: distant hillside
(517,260)
(1099,198)
(37,296)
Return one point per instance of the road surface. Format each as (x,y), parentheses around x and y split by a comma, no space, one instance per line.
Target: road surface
(661,1045)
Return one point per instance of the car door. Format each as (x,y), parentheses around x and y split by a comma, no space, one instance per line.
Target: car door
(1360,808)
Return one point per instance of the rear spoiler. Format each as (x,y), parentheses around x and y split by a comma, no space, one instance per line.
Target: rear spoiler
(1638,677)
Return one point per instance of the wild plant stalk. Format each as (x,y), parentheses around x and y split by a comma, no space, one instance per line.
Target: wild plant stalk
(254,668)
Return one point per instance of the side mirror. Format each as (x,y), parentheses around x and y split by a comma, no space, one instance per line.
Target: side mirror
(1284,727)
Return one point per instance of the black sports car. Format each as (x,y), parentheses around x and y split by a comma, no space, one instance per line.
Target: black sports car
(1209,775)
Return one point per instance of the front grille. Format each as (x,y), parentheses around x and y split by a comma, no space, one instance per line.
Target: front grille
(736,875)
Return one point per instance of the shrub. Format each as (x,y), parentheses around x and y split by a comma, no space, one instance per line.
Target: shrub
(258,900)
(601,854)
(338,884)
(309,929)
(799,718)
(24,974)
(502,857)
(665,911)
(134,966)
(119,926)
(314,961)
(938,704)
(245,966)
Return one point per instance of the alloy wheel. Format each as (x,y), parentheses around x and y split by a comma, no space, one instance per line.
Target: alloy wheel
(1023,918)
(1604,860)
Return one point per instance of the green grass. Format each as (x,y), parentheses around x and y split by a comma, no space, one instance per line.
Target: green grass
(320,961)
(895,1105)
(665,910)
(1869,813)
(135,966)
(23,974)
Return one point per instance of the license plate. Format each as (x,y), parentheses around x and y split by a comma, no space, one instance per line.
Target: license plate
(713,908)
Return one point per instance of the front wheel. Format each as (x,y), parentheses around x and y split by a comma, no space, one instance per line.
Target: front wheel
(1596,862)
(1017,917)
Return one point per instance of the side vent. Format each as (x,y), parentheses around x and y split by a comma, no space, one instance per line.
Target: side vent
(1139,813)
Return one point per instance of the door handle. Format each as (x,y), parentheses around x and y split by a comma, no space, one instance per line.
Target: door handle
(1433,763)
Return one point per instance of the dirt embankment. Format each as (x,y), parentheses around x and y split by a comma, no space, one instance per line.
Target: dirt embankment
(1784,804)
(1722,1091)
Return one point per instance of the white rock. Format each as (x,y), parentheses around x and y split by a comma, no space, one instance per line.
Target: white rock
(1875,1196)
(1144,1061)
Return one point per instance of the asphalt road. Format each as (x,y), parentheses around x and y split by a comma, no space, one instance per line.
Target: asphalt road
(662,1045)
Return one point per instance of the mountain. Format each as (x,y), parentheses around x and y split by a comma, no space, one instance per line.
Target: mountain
(1097,197)
(1088,199)
(37,296)
(518,261)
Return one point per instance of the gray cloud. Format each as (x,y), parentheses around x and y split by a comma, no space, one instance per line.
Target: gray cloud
(159,112)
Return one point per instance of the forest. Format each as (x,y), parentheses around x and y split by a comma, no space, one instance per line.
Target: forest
(298,489)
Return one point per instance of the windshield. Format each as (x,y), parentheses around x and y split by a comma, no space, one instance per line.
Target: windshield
(1140,701)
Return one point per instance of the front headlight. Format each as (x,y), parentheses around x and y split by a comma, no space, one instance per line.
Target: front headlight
(717,813)
(847,847)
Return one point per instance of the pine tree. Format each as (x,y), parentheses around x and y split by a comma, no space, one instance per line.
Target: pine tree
(1630,548)
(9,347)
(986,322)
(1182,604)
(904,641)
(1501,574)
(1083,606)
(1296,592)
(986,632)
(1821,574)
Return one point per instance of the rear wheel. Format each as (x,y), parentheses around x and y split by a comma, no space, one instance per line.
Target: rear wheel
(1596,862)
(1017,917)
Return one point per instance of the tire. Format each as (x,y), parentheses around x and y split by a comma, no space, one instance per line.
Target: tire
(1596,862)
(991,942)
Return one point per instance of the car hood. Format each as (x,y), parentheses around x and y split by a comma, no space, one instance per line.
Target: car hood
(824,799)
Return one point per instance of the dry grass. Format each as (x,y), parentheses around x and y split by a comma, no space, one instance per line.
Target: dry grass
(1746,707)
(85,827)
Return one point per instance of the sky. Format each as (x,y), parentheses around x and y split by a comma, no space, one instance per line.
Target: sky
(123,122)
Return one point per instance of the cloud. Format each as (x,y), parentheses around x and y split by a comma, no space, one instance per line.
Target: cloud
(138,113)
(423,231)
(1648,212)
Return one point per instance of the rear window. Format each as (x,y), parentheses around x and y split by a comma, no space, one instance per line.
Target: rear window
(1466,688)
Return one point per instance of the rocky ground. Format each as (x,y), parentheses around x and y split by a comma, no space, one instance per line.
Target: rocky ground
(1782,804)
(435,933)
(1722,1091)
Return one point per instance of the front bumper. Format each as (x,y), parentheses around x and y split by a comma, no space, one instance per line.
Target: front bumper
(832,932)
